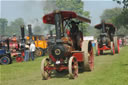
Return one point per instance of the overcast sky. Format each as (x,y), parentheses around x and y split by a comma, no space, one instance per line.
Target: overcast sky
(33,9)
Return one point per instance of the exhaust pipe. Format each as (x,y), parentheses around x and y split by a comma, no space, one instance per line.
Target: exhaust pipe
(30,32)
(51,35)
(7,41)
(22,36)
(22,33)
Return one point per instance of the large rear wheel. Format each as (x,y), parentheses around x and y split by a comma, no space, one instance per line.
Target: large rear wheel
(116,45)
(112,48)
(97,50)
(73,68)
(4,60)
(88,55)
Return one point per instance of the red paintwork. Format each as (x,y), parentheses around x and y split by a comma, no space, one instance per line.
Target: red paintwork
(19,59)
(60,68)
(13,45)
(118,46)
(49,18)
(99,26)
(5,61)
(22,53)
(53,59)
(104,48)
(78,56)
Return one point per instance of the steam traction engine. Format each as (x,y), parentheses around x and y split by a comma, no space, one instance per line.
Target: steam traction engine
(107,39)
(5,56)
(68,50)
(40,42)
(16,46)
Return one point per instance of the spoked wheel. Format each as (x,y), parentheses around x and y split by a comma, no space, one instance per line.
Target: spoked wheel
(45,72)
(19,59)
(88,56)
(112,48)
(38,52)
(4,60)
(97,50)
(42,52)
(73,68)
(116,45)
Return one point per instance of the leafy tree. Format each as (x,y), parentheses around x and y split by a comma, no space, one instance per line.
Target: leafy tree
(122,31)
(123,17)
(92,31)
(3,25)
(110,15)
(116,17)
(71,5)
(14,27)
(124,2)
(76,6)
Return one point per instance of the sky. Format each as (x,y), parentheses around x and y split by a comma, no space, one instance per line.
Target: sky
(33,9)
(96,8)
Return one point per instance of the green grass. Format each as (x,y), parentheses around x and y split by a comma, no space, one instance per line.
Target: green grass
(109,70)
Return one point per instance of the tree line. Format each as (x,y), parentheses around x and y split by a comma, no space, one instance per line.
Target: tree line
(116,16)
(72,5)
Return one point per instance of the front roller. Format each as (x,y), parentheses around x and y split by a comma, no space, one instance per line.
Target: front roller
(116,44)
(87,48)
(73,67)
(45,72)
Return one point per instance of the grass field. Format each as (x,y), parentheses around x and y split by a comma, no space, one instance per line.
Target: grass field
(109,70)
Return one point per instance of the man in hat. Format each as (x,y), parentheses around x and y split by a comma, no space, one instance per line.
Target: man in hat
(32,50)
(27,46)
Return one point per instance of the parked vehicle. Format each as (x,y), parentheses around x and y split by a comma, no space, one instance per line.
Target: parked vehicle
(5,55)
(40,42)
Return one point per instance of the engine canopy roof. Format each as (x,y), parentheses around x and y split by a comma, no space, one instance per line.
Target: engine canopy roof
(49,18)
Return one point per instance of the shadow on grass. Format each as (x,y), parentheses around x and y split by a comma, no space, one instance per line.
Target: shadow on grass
(124,64)
(107,54)
(65,74)
(104,54)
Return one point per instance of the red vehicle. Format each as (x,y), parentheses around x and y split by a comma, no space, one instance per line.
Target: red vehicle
(16,53)
(67,50)
(17,46)
(107,39)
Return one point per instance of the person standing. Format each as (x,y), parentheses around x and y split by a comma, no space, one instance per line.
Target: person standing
(26,57)
(32,50)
